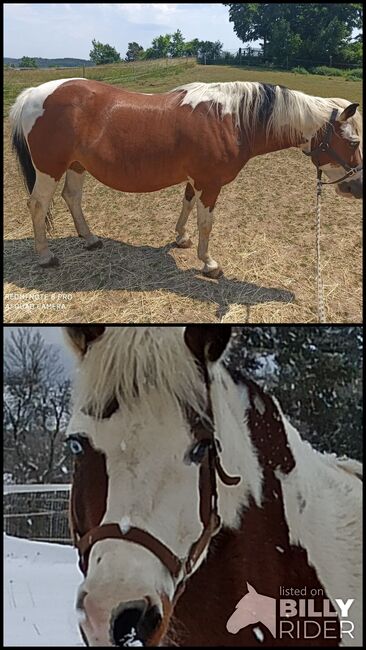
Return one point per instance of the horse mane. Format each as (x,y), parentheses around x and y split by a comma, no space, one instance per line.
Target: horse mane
(130,362)
(287,113)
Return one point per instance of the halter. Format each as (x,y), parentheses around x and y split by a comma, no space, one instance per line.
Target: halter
(325,147)
(209,469)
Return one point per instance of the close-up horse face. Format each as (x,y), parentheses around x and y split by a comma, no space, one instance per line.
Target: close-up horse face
(344,152)
(137,465)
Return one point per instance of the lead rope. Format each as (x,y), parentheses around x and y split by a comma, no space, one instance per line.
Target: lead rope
(319,281)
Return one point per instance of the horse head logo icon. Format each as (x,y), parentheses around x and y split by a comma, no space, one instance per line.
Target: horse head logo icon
(253,608)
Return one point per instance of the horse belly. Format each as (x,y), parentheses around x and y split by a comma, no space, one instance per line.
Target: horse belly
(130,165)
(141,174)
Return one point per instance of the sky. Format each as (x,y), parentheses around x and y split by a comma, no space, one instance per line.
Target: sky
(54,336)
(66,30)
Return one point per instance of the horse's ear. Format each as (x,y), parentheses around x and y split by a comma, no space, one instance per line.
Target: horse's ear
(251,589)
(207,342)
(347,113)
(80,336)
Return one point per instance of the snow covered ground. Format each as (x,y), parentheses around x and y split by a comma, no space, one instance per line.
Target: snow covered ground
(40,582)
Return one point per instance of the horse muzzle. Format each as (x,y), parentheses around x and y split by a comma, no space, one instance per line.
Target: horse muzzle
(351,188)
(131,624)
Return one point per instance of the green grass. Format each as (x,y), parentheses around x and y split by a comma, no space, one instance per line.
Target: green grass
(162,75)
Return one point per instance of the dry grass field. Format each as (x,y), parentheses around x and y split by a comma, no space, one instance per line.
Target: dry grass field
(264,235)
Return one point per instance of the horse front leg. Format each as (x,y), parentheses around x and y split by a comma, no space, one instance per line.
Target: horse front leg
(72,193)
(189,199)
(206,201)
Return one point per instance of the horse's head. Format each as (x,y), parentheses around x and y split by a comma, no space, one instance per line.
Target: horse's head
(143,504)
(336,149)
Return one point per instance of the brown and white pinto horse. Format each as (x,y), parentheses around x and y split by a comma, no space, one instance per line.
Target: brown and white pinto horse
(188,486)
(200,133)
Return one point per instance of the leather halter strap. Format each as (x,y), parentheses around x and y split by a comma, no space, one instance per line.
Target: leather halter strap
(209,468)
(325,147)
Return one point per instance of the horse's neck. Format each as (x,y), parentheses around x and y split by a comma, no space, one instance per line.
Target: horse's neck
(258,553)
(262,145)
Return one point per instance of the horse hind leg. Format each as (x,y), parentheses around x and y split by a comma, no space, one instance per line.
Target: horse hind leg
(39,204)
(72,193)
(189,199)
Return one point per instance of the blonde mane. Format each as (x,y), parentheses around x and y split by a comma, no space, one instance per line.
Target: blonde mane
(287,113)
(128,363)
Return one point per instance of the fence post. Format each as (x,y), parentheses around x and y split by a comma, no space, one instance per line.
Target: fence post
(205,57)
(330,60)
(83,70)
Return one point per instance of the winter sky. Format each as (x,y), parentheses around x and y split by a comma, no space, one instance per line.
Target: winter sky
(52,335)
(66,30)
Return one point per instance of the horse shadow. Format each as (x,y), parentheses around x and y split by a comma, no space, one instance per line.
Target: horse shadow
(126,267)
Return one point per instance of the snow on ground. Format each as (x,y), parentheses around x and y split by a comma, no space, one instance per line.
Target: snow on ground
(40,583)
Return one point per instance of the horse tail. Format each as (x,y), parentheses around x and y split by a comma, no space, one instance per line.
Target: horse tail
(19,141)
(21,148)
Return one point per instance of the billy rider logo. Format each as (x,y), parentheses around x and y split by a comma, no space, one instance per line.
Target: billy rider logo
(308,620)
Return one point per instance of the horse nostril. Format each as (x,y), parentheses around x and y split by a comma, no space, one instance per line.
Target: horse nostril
(134,624)
(149,623)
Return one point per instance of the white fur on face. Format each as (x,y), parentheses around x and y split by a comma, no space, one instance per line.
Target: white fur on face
(145,442)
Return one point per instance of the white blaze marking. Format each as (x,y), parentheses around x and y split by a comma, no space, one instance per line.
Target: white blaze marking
(125,524)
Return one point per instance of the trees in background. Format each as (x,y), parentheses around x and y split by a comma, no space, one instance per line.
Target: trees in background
(315,372)
(27,62)
(103,53)
(135,52)
(36,410)
(307,31)
(174,45)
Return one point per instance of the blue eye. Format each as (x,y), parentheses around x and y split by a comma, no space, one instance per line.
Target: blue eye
(75,446)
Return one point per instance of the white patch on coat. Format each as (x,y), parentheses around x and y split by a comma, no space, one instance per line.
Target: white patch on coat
(28,106)
(259,405)
(258,633)
(330,527)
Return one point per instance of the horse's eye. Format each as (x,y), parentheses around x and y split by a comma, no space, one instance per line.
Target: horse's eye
(196,453)
(75,446)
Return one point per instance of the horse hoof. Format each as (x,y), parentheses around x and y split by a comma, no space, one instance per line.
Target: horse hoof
(49,262)
(185,243)
(94,245)
(213,273)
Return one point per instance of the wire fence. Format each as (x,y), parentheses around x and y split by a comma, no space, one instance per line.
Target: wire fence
(250,56)
(37,512)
